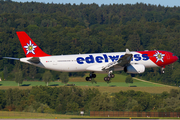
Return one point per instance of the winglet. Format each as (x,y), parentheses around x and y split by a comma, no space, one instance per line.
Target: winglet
(127,51)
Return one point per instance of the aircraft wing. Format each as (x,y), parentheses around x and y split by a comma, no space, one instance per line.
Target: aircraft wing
(123,61)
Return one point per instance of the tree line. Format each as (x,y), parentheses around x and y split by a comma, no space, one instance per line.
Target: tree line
(88,28)
(45,99)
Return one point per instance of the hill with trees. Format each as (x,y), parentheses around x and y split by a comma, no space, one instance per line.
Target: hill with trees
(88,28)
(45,99)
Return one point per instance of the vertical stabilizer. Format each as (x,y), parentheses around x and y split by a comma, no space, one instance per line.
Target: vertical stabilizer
(29,46)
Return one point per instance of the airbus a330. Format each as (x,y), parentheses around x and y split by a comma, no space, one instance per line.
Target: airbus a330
(133,62)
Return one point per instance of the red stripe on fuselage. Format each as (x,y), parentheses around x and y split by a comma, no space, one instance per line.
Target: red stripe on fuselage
(160,57)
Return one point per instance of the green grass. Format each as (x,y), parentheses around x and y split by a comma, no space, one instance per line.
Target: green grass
(117,84)
(85,83)
(13,114)
(29,115)
(28,83)
(99,78)
(118,81)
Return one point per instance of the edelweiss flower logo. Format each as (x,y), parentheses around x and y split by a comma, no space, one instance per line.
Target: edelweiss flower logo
(159,56)
(30,48)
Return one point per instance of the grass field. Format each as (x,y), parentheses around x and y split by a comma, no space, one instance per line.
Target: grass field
(29,115)
(78,81)
(110,89)
(99,78)
(12,114)
(117,84)
(118,81)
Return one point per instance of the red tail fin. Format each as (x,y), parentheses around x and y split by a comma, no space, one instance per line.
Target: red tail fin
(29,46)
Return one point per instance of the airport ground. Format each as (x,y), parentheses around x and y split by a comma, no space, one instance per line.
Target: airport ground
(117,84)
(4,115)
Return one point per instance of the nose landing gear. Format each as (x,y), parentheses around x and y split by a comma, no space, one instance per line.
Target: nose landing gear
(162,69)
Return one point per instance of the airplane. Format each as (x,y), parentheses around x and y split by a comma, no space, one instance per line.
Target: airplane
(133,62)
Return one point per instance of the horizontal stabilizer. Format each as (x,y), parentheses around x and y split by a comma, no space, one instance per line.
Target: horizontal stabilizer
(11,58)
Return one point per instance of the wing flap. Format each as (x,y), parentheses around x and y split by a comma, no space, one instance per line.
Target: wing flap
(124,60)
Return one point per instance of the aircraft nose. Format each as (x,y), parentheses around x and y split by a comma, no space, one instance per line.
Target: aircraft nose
(176,58)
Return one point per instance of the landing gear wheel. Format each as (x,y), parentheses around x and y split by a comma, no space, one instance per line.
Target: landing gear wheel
(93,75)
(88,78)
(112,75)
(106,78)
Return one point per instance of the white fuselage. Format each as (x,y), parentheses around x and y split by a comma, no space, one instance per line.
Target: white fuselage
(87,62)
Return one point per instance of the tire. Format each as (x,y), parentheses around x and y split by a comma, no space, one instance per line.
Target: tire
(87,78)
(112,75)
(93,75)
(90,79)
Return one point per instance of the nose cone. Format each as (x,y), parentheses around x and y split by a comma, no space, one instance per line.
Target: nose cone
(175,58)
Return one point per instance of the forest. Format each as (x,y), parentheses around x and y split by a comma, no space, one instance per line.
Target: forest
(88,28)
(45,99)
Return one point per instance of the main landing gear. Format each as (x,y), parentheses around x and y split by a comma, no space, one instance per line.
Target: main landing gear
(108,78)
(91,75)
(110,75)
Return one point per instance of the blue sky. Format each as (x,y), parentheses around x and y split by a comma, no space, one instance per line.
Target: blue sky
(170,3)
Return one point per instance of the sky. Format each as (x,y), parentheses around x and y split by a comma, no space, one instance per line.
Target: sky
(169,3)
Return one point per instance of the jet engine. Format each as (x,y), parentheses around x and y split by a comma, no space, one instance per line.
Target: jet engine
(134,68)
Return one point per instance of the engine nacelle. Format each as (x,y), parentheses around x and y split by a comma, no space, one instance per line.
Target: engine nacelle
(134,68)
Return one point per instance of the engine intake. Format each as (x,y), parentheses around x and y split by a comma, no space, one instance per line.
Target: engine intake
(134,68)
